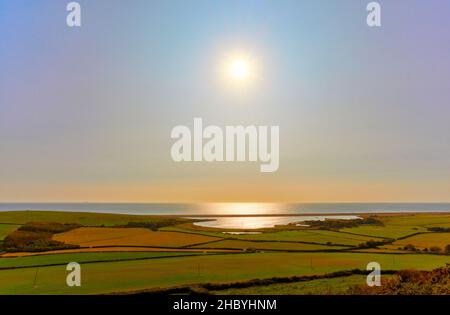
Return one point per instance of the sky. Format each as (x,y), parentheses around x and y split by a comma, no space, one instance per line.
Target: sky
(86,113)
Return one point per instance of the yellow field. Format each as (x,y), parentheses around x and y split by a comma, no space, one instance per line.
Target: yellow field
(426,240)
(90,236)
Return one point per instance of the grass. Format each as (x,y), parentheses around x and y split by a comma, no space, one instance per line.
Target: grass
(83,218)
(167,272)
(184,228)
(397,226)
(426,240)
(6,229)
(337,285)
(442,224)
(49,259)
(90,236)
(267,245)
(117,249)
(314,236)
(389,231)
(420,220)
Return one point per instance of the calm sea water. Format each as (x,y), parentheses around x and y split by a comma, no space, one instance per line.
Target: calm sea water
(265,222)
(208,209)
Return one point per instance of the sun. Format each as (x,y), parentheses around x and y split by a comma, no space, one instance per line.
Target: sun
(239,69)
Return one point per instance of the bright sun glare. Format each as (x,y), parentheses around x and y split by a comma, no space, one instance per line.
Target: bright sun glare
(239,69)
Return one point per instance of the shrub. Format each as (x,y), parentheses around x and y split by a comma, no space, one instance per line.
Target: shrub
(438,229)
(154,226)
(48,227)
(410,247)
(37,236)
(26,241)
(435,249)
(411,282)
(371,244)
(333,224)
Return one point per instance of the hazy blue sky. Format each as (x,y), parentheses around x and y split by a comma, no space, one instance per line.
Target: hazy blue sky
(86,113)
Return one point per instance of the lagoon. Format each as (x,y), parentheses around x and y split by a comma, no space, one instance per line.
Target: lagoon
(239,222)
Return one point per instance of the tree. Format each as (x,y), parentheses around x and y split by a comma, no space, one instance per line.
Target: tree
(447,249)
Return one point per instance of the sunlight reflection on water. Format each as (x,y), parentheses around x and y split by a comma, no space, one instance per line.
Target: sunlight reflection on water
(242,208)
(263,222)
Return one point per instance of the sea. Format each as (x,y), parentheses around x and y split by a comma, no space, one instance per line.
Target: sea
(217,209)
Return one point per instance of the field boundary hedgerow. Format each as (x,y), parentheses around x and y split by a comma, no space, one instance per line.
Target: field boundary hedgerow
(204,288)
(109,260)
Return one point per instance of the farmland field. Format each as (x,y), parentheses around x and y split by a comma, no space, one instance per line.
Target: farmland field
(389,231)
(63,258)
(402,225)
(117,258)
(108,249)
(423,220)
(83,218)
(166,272)
(89,236)
(320,286)
(6,229)
(267,245)
(426,240)
(314,236)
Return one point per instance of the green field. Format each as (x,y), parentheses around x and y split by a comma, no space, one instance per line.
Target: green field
(402,225)
(420,220)
(389,231)
(239,244)
(313,236)
(168,272)
(83,218)
(49,259)
(5,229)
(320,286)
